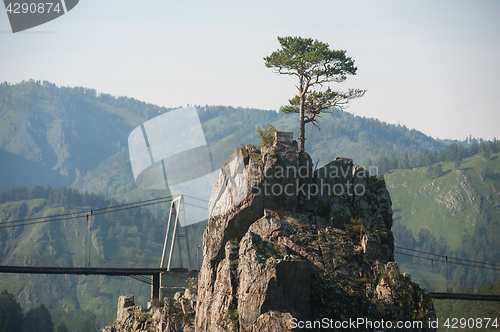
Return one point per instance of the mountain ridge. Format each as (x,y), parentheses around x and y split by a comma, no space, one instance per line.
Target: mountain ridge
(41,144)
(58,135)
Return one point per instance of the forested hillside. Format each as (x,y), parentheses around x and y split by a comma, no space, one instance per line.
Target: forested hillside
(61,136)
(453,213)
(128,237)
(52,136)
(447,215)
(453,152)
(64,150)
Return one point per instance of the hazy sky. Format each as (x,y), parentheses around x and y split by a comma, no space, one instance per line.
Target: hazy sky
(430,65)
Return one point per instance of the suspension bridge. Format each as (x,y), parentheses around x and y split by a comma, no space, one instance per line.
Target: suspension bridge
(435,258)
(158,278)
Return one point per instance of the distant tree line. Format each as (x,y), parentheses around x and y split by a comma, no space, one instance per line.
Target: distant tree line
(479,246)
(374,137)
(76,95)
(454,152)
(61,196)
(130,104)
(377,137)
(457,308)
(39,319)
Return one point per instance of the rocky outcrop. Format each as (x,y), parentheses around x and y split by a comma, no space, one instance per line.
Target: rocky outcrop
(125,307)
(289,247)
(303,245)
(170,315)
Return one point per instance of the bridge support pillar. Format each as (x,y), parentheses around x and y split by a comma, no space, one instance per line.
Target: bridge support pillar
(155,286)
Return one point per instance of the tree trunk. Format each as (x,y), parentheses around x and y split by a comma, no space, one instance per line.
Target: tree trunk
(302,132)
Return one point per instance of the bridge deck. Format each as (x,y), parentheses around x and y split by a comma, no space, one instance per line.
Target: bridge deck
(89,270)
(156,271)
(469,297)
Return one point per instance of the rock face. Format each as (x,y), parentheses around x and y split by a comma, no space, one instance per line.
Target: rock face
(296,248)
(125,306)
(302,245)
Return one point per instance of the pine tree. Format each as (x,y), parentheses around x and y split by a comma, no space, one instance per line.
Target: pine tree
(266,134)
(11,314)
(439,170)
(430,171)
(314,64)
(38,319)
(62,328)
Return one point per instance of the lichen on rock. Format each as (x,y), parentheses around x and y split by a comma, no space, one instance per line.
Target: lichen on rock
(297,245)
(323,248)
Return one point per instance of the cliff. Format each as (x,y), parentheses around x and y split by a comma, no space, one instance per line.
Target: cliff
(302,245)
(290,247)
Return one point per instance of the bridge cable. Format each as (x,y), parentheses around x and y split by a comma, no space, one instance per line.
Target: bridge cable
(140,279)
(458,259)
(447,288)
(433,288)
(201,207)
(84,212)
(86,241)
(81,214)
(445,261)
(197,198)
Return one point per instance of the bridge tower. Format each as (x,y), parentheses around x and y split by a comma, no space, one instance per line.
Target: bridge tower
(172,280)
(177,213)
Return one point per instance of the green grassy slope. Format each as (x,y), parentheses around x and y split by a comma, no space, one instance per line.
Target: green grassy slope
(450,204)
(460,210)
